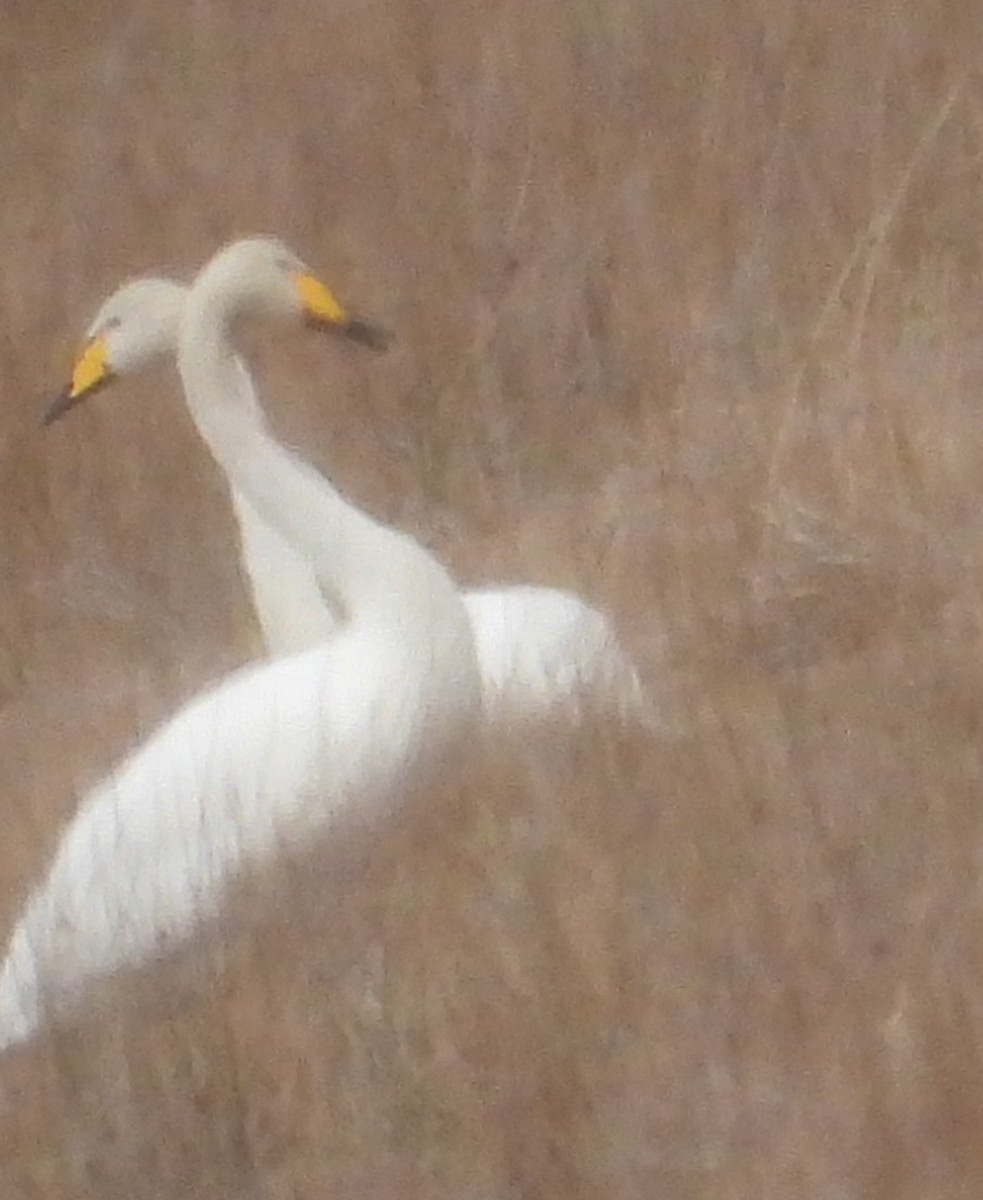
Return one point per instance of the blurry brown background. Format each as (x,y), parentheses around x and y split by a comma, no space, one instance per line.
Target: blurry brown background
(687,304)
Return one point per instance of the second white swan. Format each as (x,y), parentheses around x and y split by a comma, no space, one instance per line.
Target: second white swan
(538,648)
(276,751)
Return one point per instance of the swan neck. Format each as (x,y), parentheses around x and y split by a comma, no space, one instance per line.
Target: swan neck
(351,554)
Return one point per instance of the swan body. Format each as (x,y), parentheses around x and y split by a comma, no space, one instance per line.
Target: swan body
(538,647)
(277,751)
(254,765)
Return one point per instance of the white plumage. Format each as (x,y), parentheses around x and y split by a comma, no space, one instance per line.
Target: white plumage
(277,750)
(538,647)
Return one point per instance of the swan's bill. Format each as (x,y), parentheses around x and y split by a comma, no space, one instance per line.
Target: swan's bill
(321,308)
(319,304)
(373,336)
(91,371)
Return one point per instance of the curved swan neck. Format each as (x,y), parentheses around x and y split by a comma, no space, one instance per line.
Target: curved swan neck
(363,565)
(218,388)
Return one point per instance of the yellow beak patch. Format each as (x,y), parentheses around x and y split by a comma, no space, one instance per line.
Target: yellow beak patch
(318,302)
(91,368)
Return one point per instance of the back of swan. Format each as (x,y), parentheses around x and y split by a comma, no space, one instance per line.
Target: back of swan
(538,648)
(277,752)
(272,756)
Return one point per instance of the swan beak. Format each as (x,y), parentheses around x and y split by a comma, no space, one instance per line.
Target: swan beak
(91,371)
(373,336)
(323,310)
(318,303)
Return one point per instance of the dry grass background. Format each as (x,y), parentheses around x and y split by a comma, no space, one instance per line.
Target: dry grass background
(687,303)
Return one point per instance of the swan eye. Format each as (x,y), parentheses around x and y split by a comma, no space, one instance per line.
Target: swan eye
(106,327)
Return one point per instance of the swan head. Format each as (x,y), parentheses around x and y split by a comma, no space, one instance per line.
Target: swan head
(134,328)
(139,323)
(263,275)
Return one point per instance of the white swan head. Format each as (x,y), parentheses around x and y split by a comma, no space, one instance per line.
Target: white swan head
(134,328)
(263,275)
(138,324)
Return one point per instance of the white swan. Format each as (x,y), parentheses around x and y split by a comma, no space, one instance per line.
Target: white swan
(537,647)
(274,752)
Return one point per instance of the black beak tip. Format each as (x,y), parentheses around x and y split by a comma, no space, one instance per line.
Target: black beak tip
(373,336)
(56,409)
